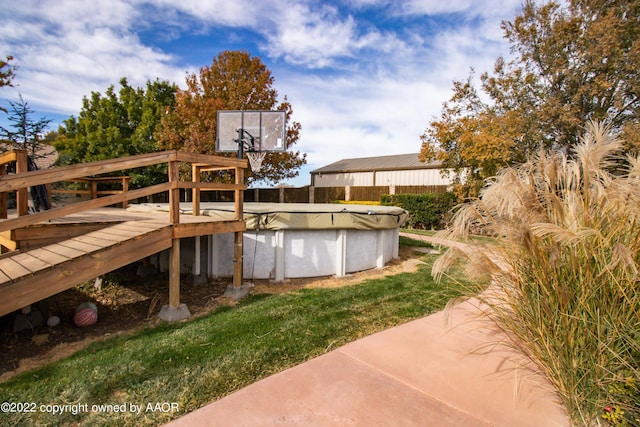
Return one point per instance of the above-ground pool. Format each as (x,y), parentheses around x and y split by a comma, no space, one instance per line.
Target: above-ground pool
(292,240)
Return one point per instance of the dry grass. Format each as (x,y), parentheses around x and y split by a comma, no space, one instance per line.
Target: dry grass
(566,270)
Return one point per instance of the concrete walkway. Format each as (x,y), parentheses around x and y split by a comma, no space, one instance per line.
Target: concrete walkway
(447,369)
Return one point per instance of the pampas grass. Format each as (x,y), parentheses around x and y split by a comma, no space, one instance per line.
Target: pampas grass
(565,271)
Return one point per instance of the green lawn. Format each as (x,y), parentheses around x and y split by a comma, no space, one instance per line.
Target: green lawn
(192,363)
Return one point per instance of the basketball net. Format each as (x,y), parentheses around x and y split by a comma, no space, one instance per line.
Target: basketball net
(255,159)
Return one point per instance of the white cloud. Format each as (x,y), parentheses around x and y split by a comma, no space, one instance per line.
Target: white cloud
(485,8)
(357,88)
(70,48)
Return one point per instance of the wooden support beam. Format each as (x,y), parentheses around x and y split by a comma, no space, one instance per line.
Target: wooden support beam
(195,192)
(237,259)
(181,231)
(125,188)
(174,274)
(211,160)
(30,289)
(174,192)
(7,242)
(238,193)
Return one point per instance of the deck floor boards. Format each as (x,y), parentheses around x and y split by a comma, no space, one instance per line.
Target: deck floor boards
(118,228)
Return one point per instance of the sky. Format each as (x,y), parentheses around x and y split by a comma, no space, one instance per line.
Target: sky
(364,77)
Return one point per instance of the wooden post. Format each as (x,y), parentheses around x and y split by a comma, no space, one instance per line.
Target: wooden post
(49,196)
(22,195)
(3,195)
(174,193)
(125,188)
(174,252)
(195,177)
(174,274)
(237,238)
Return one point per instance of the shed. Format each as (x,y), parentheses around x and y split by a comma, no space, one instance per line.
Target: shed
(399,169)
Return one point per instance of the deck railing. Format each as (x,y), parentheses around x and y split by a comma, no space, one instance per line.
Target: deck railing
(23,179)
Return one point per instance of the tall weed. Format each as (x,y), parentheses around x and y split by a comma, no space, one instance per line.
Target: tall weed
(565,271)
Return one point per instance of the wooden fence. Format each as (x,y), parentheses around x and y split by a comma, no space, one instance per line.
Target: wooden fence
(310,194)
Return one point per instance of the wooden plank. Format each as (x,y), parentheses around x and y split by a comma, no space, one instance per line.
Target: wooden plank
(12,269)
(211,186)
(43,216)
(128,232)
(57,231)
(65,251)
(4,278)
(68,173)
(49,256)
(203,229)
(30,262)
(138,227)
(205,160)
(9,156)
(7,242)
(80,246)
(102,241)
(31,289)
(115,234)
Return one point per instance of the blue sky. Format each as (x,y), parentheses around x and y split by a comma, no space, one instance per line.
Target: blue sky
(364,77)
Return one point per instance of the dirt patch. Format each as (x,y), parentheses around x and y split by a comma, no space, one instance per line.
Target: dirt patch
(133,303)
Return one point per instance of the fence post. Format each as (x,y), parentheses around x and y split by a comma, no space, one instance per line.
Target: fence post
(281,195)
(347,193)
(312,194)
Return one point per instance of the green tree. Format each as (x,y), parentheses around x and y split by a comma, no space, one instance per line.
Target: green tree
(7,71)
(117,125)
(234,81)
(571,65)
(24,132)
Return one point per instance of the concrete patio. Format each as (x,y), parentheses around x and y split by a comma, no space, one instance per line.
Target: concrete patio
(447,369)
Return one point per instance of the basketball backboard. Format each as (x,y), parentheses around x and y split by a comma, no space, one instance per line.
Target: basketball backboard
(257,130)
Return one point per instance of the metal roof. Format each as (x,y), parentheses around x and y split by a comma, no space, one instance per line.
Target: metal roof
(379,163)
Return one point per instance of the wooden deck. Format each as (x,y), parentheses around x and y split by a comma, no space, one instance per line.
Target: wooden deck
(29,276)
(58,249)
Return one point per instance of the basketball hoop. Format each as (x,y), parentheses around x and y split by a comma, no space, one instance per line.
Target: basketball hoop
(255,159)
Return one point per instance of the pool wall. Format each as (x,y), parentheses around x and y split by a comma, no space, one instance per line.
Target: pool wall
(353,240)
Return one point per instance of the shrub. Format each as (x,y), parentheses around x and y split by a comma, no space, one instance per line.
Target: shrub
(427,211)
(566,271)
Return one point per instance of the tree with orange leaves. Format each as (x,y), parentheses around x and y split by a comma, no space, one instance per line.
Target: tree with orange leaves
(234,81)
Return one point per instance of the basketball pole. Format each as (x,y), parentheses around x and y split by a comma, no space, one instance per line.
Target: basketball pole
(238,262)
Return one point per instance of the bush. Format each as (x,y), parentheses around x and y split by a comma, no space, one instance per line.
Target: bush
(427,211)
(566,272)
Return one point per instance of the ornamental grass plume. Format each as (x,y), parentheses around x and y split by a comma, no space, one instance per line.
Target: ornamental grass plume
(564,269)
